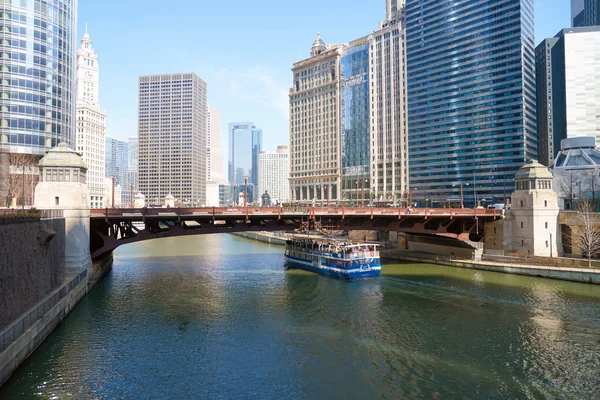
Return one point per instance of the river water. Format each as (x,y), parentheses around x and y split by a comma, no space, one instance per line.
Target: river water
(219,316)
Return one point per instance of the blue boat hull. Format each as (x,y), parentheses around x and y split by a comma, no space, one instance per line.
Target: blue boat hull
(365,271)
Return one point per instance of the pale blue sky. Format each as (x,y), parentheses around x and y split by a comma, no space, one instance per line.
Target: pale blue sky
(243,49)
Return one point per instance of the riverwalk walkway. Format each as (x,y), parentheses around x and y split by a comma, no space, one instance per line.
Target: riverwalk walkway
(576,274)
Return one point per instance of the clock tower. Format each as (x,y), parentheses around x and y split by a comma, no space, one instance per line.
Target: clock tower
(87,72)
(90,135)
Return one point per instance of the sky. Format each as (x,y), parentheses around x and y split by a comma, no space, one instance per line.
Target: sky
(243,49)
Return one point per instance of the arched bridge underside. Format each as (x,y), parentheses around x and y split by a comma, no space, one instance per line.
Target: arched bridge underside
(110,228)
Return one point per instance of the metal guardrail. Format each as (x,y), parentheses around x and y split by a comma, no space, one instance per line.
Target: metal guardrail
(15,329)
(308,211)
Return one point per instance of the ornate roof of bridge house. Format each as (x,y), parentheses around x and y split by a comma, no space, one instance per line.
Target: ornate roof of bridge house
(533,170)
(62,156)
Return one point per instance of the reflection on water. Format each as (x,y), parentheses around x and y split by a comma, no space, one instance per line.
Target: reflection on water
(218,316)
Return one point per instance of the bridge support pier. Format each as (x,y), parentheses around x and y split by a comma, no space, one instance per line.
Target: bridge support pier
(63,187)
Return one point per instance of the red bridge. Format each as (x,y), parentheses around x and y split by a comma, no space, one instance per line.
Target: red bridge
(110,228)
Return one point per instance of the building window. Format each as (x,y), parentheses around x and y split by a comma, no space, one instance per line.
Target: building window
(522,243)
(546,244)
(56,201)
(521,224)
(546,225)
(545,203)
(521,203)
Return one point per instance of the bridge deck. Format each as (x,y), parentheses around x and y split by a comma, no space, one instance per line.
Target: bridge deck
(135,213)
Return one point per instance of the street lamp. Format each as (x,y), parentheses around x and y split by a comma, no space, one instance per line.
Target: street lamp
(474,190)
(362,192)
(462,203)
(246,192)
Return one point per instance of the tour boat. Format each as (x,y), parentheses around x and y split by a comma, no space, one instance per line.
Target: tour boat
(339,259)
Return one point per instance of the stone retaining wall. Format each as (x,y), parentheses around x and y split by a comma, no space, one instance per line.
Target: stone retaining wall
(32,255)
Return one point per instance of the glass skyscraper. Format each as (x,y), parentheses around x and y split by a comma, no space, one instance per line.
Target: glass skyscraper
(585,12)
(37,74)
(116,161)
(355,121)
(245,143)
(471,97)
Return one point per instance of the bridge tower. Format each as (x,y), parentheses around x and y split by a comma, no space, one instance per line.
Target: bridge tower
(63,187)
(532,221)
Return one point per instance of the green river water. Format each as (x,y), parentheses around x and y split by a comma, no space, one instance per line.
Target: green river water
(220,317)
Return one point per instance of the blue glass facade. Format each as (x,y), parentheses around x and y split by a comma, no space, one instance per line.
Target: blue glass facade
(355,119)
(116,157)
(37,74)
(245,143)
(471,96)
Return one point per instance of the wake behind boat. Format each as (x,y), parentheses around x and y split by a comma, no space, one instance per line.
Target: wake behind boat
(342,260)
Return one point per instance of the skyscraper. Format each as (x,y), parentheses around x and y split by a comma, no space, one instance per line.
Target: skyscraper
(214,153)
(585,13)
(37,71)
(355,132)
(550,103)
(471,96)
(568,73)
(315,111)
(91,121)
(245,143)
(172,138)
(389,139)
(274,174)
(116,161)
(131,182)
(133,151)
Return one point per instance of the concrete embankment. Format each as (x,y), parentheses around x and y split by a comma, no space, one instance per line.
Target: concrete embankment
(262,237)
(575,274)
(35,293)
(569,273)
(20,338)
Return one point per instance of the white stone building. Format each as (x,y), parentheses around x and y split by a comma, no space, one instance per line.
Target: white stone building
(214,152)
(90,121)
(315,125)
(274,173)
(389,135)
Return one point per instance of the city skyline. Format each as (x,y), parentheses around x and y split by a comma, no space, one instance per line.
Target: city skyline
(258,91)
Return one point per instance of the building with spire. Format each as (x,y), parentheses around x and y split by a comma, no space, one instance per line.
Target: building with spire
(315,125)
(91,121)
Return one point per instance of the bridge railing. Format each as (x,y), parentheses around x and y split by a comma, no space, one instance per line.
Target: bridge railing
(308,211)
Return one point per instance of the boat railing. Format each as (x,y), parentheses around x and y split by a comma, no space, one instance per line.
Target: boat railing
(340,255)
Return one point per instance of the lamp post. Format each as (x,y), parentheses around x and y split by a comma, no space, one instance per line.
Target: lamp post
(415,193)
(462,203)
(474,190)
(234,200)
(362,192)
(246,192)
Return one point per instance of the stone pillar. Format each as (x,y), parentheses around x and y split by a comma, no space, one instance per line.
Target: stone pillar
(140,201)
(63,187)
